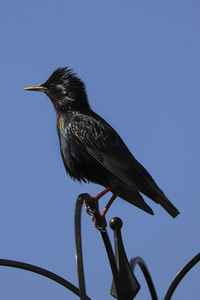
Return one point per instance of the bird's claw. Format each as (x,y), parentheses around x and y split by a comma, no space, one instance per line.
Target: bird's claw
(99,222)
(92,208)
(88,209)
(87,200)
(91,204)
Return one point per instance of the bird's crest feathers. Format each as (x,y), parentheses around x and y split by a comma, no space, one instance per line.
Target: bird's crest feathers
(64,75)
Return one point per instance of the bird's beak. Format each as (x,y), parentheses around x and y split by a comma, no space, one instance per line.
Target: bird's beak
(38,88)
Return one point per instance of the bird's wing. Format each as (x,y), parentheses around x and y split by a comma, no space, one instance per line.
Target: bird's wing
(104,144)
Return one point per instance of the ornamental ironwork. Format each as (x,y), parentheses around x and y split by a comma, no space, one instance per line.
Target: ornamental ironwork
(125,285)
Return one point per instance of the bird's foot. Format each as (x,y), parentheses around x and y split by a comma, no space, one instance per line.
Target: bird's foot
(87,208)
(99,222)
(92,208)
(91,204)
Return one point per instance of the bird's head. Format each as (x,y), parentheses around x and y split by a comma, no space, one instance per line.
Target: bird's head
(65,90)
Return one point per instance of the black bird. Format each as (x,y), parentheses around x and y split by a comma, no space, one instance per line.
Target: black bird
(92,150)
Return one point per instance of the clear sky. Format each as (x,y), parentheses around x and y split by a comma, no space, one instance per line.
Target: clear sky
(140,62)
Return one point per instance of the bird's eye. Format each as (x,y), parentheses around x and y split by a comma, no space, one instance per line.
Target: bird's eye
(68,96)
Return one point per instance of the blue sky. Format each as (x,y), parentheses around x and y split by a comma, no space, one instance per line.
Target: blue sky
(140,63)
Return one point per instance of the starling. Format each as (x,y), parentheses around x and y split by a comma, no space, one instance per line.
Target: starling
(92,150)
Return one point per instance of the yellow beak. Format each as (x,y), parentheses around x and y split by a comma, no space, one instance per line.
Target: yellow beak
(38,88)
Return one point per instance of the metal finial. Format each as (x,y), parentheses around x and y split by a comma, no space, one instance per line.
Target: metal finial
(128,282)
(116,223)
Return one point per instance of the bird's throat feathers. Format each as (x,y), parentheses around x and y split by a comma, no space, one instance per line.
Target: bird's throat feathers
(61,123)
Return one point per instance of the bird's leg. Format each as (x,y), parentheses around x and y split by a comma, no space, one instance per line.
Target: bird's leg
(96,199)
(106,208)
(98,196)
(92,208)
(99,218)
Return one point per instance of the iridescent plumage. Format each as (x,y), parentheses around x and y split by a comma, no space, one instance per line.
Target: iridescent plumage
(92,150)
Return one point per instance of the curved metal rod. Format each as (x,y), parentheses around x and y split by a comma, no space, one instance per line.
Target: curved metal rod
(180,276)
(78,242)
(139,261)
(40,271)
(101,223)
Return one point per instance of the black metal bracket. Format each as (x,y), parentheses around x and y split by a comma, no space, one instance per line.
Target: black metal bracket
(43,272)
(125,285)
(180,276)
(127,280)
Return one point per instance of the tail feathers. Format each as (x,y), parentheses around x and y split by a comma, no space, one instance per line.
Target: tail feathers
(159,197)
(154,193)
(149,188)
(133,197)
(168,206)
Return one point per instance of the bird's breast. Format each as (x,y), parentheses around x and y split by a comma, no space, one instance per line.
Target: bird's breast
(79,164)
(74,157)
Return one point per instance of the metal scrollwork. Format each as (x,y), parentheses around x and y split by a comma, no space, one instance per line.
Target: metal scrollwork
(125,285)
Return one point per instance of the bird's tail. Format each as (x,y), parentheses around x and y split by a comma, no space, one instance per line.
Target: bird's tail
(167,205)
(159,197)
(133,197)
(151,190)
